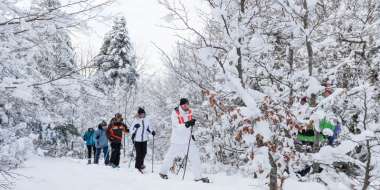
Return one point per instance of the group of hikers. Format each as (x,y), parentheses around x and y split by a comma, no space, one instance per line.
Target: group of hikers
(98,140)
(182,141)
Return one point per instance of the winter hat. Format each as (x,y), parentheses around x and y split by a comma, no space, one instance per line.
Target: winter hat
(140,111)
(118,117)
(183,101)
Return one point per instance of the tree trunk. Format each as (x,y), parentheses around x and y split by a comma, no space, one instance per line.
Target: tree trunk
(309,47)
(273,173)
(291,70)
(310,56)
(239,66)
(368,169)
(291,60)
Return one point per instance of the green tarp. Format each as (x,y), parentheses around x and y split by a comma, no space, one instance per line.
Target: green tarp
(323,124)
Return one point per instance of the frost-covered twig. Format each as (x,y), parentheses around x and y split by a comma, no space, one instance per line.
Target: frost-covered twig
(7,179)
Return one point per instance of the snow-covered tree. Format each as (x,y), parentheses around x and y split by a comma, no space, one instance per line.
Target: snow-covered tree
(256,61)
(116,61)
(40,84)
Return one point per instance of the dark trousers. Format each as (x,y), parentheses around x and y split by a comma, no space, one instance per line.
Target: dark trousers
(105,152)
(115,153)
(90,149)
(140,154)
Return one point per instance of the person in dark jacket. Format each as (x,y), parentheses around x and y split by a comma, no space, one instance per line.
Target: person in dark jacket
(101,143)
(89,137)
(140,131)
(115,131)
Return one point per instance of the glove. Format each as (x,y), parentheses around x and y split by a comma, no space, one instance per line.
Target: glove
(154,133)
(97,137)
(192,122)
(187,124)
(137,126)
(133,136)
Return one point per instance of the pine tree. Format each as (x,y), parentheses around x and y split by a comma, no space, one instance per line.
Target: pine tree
(116,61)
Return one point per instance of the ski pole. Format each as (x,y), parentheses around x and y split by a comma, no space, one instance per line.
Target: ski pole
(187,152)
(106,156)
(153,155)
(124,144)
(130,161)
(181,164)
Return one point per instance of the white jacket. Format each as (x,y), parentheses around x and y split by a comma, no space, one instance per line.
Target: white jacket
(180,134)
(143,131)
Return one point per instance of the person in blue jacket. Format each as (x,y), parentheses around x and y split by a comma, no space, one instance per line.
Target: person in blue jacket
(101,143)
(89,137)
(337,130)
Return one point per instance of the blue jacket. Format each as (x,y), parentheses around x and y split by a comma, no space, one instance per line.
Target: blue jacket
(101,139)
(89,137)
(337,130)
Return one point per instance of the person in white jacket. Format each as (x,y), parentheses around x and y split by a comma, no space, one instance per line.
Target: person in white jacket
(182,121)
(141,128)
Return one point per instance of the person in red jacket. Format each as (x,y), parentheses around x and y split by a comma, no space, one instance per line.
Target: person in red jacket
(115,131)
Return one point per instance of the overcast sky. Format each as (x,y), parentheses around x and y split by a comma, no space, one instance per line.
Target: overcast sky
(144,21)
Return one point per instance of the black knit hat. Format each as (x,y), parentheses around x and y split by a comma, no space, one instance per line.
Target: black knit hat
(140,111)
(183,101)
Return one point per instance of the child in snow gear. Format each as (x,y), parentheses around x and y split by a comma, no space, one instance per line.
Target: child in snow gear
(115,135)
(89,137)
(101,143)
(140,131)
(182,122)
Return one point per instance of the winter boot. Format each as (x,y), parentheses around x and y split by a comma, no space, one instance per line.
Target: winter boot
(163,176)
(89,161)
(140,170)
(203,179)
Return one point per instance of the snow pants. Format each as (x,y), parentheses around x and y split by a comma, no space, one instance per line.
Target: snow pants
(115,153)
(140,154)
(106,155)
(179,150)
(90,150)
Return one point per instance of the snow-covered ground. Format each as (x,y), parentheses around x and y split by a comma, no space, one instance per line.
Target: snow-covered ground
(71,174)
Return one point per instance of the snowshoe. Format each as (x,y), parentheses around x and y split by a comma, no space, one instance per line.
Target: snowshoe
(203,179)
(140,170)
(114,166)
(164,176)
